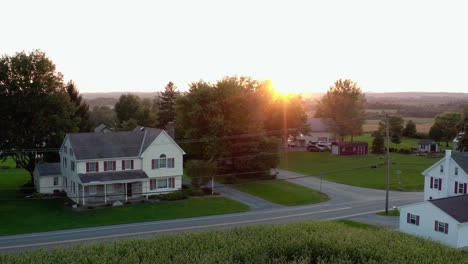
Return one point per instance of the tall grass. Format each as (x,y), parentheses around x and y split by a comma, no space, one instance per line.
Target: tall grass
(309,242)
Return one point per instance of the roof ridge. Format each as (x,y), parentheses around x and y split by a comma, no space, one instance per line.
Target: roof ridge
(142,143)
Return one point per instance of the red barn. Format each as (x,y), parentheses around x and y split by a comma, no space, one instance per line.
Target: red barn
(349,148)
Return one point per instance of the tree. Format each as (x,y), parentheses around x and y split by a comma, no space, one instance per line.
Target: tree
(436,133)
(35,108)
(463,143)
(82,108)
(226,119)
(378,144)
(167,104)
(395,128)
(447,124)
(130,109)
(344,103)
(410,129)
(103,115)
(199,172)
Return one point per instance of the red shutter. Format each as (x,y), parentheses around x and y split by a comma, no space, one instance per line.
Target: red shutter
(407,217)
(456,187)
(152,164)
(440,184)
(417,220)
(436,225)
(114,162)
(105,165)
(151,185)
(123,164)
(173,182)
(87,166)
(97,166)
(131,164)
(432,182)
(464,188)
(446,228)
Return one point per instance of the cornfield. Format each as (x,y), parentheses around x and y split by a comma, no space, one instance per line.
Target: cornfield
(307,242)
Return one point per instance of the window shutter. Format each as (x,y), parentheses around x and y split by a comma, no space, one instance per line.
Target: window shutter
(173,162)
(123,164)
(464,188)
(173,182)
(432,182)
(97,166)
(417,220)
(105,165)
(151,185)
(456,187)
(440,184)
(114,163)
(407,217)
(446,228)
(436,225)
(152,164)
(87,166)
(131,164)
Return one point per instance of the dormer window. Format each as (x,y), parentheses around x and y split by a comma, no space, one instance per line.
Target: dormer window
(441,168)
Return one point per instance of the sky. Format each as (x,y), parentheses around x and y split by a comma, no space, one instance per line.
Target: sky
(302,46)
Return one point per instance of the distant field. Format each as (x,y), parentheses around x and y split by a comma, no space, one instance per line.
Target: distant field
(422,124)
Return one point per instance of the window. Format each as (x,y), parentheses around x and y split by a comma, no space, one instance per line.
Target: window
(162,161)
(441,227)
(56,180)
(456,171)
(66,183)
(73,185)
(436,183)
(441,168)
(109,165)
(110,188)
(64,162)
(162,183)
(72,165)
(127,164)
(412,219)
(92,189)
(460,188)
(92,167)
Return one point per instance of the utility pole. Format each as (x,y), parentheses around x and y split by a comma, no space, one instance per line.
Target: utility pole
(388,165)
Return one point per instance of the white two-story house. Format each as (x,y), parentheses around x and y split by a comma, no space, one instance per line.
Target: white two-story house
(100,168)
(443,215)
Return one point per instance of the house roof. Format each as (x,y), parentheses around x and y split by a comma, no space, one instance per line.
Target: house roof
(48,169)
(426,142)
(102,128)
(319,124)
(454,206)
(462,160)
(112,176)
(111,144)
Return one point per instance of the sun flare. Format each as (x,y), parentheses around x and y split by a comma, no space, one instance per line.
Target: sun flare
(281,90)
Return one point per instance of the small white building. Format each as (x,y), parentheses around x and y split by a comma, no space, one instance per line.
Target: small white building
(48,177)
(443,215)
(319,132)
(428,145)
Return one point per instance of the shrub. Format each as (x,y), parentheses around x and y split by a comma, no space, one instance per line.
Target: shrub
(37,195)
(196,192)
(404,151)
(173,196)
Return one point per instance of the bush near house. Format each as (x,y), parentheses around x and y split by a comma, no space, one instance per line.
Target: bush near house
(308,242)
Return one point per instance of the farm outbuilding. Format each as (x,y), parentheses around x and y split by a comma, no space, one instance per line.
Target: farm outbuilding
(349,148)
(428,145)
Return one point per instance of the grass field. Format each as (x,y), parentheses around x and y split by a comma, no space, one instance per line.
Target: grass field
(282,192)
(307,242)
(19,215)
(355,170)
(406,143)
(422,124)
(392,212)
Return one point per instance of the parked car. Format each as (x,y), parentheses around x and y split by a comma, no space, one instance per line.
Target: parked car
(324,145)
(315,148)
(291,144)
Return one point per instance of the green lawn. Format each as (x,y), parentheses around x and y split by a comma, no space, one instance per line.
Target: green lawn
(20,215)
(392,212)
(282,192)
(406,143)
(355,170)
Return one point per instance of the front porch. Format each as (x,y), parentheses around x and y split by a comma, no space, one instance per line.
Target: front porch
(108,193)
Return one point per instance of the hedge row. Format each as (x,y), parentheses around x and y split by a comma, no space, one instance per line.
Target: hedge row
(308,242)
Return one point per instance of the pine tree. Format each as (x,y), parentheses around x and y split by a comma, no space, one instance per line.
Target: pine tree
(166,104)
(378,143)
(82,108)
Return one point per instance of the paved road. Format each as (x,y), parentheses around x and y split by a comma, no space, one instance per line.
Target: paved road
(254,202)
(346,202)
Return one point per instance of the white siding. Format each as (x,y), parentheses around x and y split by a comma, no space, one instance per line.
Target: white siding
(463,235)
(46,184)
(428,214)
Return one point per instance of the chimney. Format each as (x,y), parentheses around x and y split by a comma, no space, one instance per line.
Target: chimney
(170,129)
(448,153)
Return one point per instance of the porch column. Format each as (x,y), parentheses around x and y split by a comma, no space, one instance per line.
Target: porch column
(125,190)
(83,194)
(147,188)
(105,193)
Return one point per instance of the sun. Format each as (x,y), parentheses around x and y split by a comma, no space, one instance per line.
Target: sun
(281,90)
